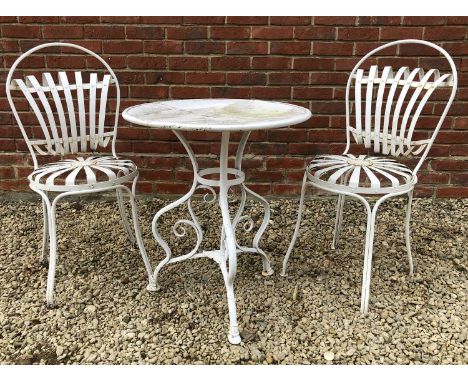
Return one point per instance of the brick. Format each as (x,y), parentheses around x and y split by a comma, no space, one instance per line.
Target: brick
(272,92)
(133,133)
(146,62)
(312,93)
(122,47)
(268,148)
(172,188)
(165,77)
(204,47)
(211,78)
(290,47)
(334,20)
(271,63)
(320,107)
(149,91)
(62,31)
(32,61)
(424,20)
(189,92)
(21,31)
(287,189)
(332,49)
(247,47)
(187,33)
(285,162)
(183,63)
(287,135)
(104,31)
(8,46)
(38,19)
(144,32)
(230,63)
(452,136)
(333,78)
(461,150)
(230,33)
(355,33)
(162,19)
(445,33)
(314,63)
(459,178)
(246,78)
(151,174)
(6,173)
(264,176)
(401,33)
(231,92)
(247,20)
(296,78)
(272,33)
(421,191)
(8,19)
(7,145)
(457,20)
(206,20)
(163,47)
(461,123)
(449,165)
(362,48)
(80,19)
(308,148)
(456,48)
(433,178)
(121,19)
(379,20)
(315,33)
(66,62)
(452,192)
(290,20)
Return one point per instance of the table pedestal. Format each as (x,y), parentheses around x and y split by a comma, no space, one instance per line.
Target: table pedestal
(226,255)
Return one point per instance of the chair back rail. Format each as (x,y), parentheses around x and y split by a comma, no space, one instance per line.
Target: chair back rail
(69,124)
(388,104)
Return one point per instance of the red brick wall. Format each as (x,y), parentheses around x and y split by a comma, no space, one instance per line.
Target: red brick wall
(305,60)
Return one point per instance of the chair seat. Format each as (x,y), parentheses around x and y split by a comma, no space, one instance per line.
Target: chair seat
(360,174)
(83,173)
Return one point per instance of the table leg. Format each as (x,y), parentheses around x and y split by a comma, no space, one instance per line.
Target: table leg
(176,228)
(230,249)
(267,270)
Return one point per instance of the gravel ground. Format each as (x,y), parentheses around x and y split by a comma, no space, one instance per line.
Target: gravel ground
(105,315)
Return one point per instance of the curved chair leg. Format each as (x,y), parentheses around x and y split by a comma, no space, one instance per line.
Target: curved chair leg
(298,224)
(45,234)
(407,231)
(136,225)
(51,209)
(366,271)
(338,220)
(124,217)
(366,275)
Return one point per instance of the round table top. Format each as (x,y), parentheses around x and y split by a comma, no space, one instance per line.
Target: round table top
(216,114)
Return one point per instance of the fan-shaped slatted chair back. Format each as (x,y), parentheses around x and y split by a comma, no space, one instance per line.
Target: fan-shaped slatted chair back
(388,104)
(70,110)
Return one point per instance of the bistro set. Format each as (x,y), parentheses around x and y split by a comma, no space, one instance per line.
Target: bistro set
(77,116)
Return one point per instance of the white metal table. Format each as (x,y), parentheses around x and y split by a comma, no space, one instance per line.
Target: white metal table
(224,116)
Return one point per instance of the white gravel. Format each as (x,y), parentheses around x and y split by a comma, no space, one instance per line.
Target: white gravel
(105,315)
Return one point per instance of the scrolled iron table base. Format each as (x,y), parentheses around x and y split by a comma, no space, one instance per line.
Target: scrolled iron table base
(226,255)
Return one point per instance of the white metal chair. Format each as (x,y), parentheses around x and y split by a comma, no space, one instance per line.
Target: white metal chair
(69,125)
(385,122)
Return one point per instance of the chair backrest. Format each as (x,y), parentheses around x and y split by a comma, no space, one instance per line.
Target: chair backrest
(388,104)
(70,110)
